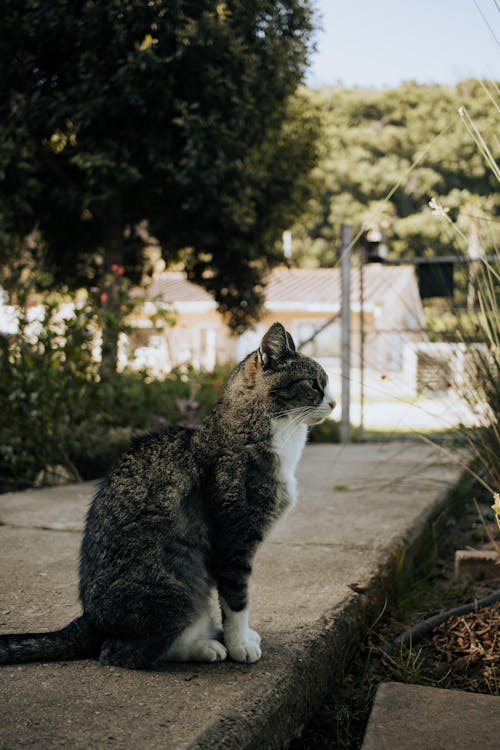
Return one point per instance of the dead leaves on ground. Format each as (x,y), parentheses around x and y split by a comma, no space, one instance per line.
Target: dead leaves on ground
(471,644)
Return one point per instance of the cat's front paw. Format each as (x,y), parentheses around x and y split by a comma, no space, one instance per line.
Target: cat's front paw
(208,651)
(247,651)
(252,635)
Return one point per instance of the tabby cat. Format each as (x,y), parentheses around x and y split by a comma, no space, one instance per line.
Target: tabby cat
(184,511)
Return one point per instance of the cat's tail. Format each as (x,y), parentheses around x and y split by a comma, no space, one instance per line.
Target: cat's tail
(78,640)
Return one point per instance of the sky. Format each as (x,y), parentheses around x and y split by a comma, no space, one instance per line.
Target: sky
(380,43)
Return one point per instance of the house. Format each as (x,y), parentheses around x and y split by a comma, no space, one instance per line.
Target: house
(306,301)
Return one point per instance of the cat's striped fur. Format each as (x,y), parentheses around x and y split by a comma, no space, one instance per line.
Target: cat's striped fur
(184,511)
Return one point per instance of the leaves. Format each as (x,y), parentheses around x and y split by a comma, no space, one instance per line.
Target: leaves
(177,115)
(47,379)
(411,137)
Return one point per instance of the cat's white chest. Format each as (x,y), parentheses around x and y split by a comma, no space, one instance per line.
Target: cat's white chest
(288,441)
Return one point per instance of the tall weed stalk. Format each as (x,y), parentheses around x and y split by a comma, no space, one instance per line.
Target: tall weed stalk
(478,329)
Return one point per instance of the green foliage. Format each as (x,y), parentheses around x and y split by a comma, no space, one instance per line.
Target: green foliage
(126,121)
(183,397)
(130,404)
(411,137)
(326,432)
(48,390)
(483,374)
(477,330)
(59,411)
(407,664)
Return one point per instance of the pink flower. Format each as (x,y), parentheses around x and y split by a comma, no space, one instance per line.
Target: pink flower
(104,296)
(118,269)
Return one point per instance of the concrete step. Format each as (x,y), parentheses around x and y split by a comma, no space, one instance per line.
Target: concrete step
(313,593)
(416,717)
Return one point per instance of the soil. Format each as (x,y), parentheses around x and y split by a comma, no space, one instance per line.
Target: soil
(462,653)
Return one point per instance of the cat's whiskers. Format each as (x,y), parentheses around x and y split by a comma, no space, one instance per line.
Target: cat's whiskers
(286,431)
(286,412)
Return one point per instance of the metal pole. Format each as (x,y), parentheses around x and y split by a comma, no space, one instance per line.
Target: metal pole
(361,342)
(345,423)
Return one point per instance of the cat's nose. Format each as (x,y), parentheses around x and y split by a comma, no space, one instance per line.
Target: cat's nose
(328,397)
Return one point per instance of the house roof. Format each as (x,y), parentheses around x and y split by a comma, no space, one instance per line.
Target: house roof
(320,288)
(314,289)
(173,286)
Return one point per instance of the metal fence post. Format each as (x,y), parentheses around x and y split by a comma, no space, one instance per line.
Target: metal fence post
(345,423)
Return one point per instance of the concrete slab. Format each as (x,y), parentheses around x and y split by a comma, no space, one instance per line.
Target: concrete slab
(416,717)
(314,580)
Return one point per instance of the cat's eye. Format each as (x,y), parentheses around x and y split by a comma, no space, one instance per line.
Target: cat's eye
(308,382)
(317,386)
(311,383)
(295,381)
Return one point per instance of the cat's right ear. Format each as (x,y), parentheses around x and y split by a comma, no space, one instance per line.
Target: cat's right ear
(275,345)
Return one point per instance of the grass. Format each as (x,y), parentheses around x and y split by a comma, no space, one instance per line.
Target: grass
(407,664)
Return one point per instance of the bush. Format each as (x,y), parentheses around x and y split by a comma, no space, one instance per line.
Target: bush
(60,415)
(48,387)
(184,397)
(326,432)
(132,404)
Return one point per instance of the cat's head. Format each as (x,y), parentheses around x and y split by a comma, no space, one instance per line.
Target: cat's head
(284,381)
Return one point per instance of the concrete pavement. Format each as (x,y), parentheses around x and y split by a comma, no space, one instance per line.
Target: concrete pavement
(315,583)
(417,717)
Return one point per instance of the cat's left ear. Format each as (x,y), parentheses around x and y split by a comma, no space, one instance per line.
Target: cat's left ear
(275,345)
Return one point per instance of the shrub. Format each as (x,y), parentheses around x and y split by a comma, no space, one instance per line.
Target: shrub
(48,382)
(326,432)
(58,411)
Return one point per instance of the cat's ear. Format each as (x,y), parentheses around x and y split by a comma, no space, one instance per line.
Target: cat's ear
(275,345)
(290,342)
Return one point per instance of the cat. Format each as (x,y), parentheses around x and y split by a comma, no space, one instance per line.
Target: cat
(183,511)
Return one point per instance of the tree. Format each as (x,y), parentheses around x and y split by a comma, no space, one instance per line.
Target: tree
(411,137)
(170,117)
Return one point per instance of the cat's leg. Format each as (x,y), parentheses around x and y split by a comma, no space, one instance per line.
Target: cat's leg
(197,642)
(243,643)
(160,624)
(233,571)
